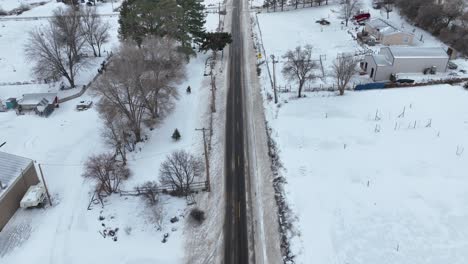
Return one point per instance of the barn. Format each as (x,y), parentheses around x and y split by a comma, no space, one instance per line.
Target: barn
(16,175)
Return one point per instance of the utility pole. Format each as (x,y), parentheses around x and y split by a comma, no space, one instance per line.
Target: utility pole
(274,77)
(213,92)
(219,16)
(207,163)
(45,185)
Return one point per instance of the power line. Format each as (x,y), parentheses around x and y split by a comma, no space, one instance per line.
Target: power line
(79,164)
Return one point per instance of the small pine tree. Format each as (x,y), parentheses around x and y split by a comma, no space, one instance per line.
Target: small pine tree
(176,134)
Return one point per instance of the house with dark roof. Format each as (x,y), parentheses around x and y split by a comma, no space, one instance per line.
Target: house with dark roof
(17,174)
(393,59)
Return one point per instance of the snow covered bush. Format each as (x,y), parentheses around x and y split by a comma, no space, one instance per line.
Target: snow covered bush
(198,215)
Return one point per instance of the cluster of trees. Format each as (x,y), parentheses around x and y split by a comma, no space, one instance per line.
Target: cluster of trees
(448,21)
(280,4)
(57,49)
(139,87)
(300,67)
(181,20)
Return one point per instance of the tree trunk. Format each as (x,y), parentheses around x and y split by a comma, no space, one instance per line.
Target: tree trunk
(301,85)
(341,90)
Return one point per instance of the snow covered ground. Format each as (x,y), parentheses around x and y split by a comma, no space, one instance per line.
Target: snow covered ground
(369,186)
(283,31)
(68,232)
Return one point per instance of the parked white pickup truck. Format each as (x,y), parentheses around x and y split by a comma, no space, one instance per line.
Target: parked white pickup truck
(34,196)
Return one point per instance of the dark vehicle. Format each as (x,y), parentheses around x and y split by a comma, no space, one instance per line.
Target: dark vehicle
(452,65)
(362,17)
(404,81)
(323,22)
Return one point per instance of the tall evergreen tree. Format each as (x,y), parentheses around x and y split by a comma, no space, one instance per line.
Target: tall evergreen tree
(194,18)
(182,20)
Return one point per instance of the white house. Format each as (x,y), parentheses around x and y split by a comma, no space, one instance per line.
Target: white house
(387,34)
(393,59)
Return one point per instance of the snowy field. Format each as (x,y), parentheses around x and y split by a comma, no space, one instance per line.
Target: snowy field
(68,232)
(372,185)
(368,184)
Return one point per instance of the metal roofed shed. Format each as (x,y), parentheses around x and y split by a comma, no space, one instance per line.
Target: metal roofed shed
(41,103)
(17,174)
(418,52)
(394,60)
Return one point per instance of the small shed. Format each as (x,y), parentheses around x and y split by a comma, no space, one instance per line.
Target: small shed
(17,174)
(392,60)
(388,34)
(41,103)
(11,103)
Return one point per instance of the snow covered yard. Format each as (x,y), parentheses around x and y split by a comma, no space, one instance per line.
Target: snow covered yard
(283,31)
(377,176)
(68,232)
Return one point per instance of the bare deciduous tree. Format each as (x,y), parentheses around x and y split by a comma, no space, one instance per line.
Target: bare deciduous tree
(387,6)
(349,8)
(179,170)
(163,72)
(115,131)
(119,87)
(344,68)
(95,31)
(68,21)
(108,173)
(51,58)
(299,66)
(55,48)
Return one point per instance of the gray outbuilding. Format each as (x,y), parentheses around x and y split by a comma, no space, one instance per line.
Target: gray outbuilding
(393,60)
(17,174)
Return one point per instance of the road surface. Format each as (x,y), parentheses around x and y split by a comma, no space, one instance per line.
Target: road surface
(236,241)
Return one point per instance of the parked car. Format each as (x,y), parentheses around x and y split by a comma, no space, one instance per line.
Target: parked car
(404,81)
(323,22)
(362,17)
(84,105)
(452,65)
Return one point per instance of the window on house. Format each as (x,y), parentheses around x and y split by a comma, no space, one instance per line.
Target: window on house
(372,73)
(405,39)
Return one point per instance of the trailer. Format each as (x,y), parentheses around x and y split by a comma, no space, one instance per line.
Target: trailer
(34,197)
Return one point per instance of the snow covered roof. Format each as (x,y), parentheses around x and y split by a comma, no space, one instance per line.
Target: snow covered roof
(383,26)
(11,167)
(417,52)
(36,98)
(381,60)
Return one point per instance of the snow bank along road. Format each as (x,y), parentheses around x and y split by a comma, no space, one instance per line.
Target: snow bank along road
(236,241)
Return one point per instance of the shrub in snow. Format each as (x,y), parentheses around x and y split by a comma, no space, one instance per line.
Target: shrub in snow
(179,171)
(198,215)
(176,134)
(465,85)
(3,12)
(24,7)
